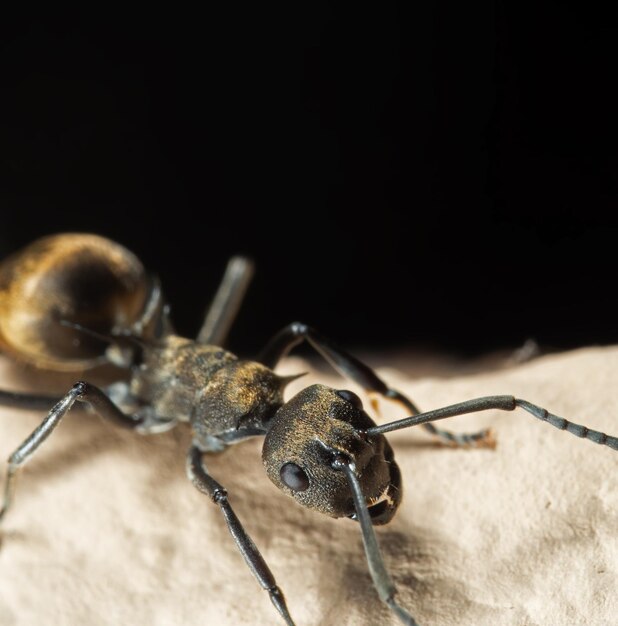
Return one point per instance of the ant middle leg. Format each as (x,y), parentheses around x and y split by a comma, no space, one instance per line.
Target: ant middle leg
(83,392)
(349,366)
(227,301)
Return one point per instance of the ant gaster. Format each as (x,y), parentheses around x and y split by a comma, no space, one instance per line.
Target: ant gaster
(72,301)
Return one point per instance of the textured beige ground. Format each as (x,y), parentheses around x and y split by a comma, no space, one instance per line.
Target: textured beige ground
(106,529)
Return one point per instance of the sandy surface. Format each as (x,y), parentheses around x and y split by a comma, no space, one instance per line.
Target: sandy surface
(106,528)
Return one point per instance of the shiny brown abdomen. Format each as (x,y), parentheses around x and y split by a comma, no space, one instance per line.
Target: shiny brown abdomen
(81,278)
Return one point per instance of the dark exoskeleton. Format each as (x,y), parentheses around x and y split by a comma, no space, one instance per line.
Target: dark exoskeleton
(73,301)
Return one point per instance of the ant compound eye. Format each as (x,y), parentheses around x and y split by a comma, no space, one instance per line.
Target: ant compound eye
(294,477)
(351,397)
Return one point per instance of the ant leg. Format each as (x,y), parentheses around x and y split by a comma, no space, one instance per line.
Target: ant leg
(142,419)
(226,303)
(363,375)
(26,401)
(203,481)
(502,403)
(82,392)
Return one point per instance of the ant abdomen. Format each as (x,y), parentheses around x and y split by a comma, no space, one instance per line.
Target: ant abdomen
(63,294)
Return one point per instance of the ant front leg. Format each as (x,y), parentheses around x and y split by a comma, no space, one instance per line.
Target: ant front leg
(363,375)
(204,482)
(82,392)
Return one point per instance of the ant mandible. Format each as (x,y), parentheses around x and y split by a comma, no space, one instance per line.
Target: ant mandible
(73,301)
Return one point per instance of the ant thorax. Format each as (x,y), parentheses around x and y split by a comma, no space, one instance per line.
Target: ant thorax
(223,397)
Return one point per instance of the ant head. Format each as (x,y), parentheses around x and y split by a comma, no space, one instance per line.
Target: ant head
(307,436)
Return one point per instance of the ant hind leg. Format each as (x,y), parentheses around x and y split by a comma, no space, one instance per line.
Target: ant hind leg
(82,392)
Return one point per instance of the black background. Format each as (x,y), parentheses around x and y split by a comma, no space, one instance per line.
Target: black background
(443,175)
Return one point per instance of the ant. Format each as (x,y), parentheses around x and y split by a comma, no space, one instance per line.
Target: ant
(73,301)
